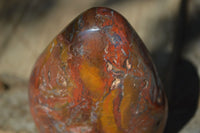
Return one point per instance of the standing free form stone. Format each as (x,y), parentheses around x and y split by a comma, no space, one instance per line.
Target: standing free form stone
(96,76)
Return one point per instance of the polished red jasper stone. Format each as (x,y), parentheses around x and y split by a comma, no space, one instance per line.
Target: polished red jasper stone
(96,76)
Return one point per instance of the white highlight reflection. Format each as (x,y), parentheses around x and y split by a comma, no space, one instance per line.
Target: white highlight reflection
(93,29)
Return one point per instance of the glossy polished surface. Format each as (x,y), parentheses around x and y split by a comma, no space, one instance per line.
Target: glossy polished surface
(96,76)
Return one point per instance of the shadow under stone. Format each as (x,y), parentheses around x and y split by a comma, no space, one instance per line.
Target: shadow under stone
(179,76)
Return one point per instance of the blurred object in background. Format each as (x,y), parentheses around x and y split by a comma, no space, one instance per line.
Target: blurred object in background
(3,87)
(15,12)
(13,9)
(28,26)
